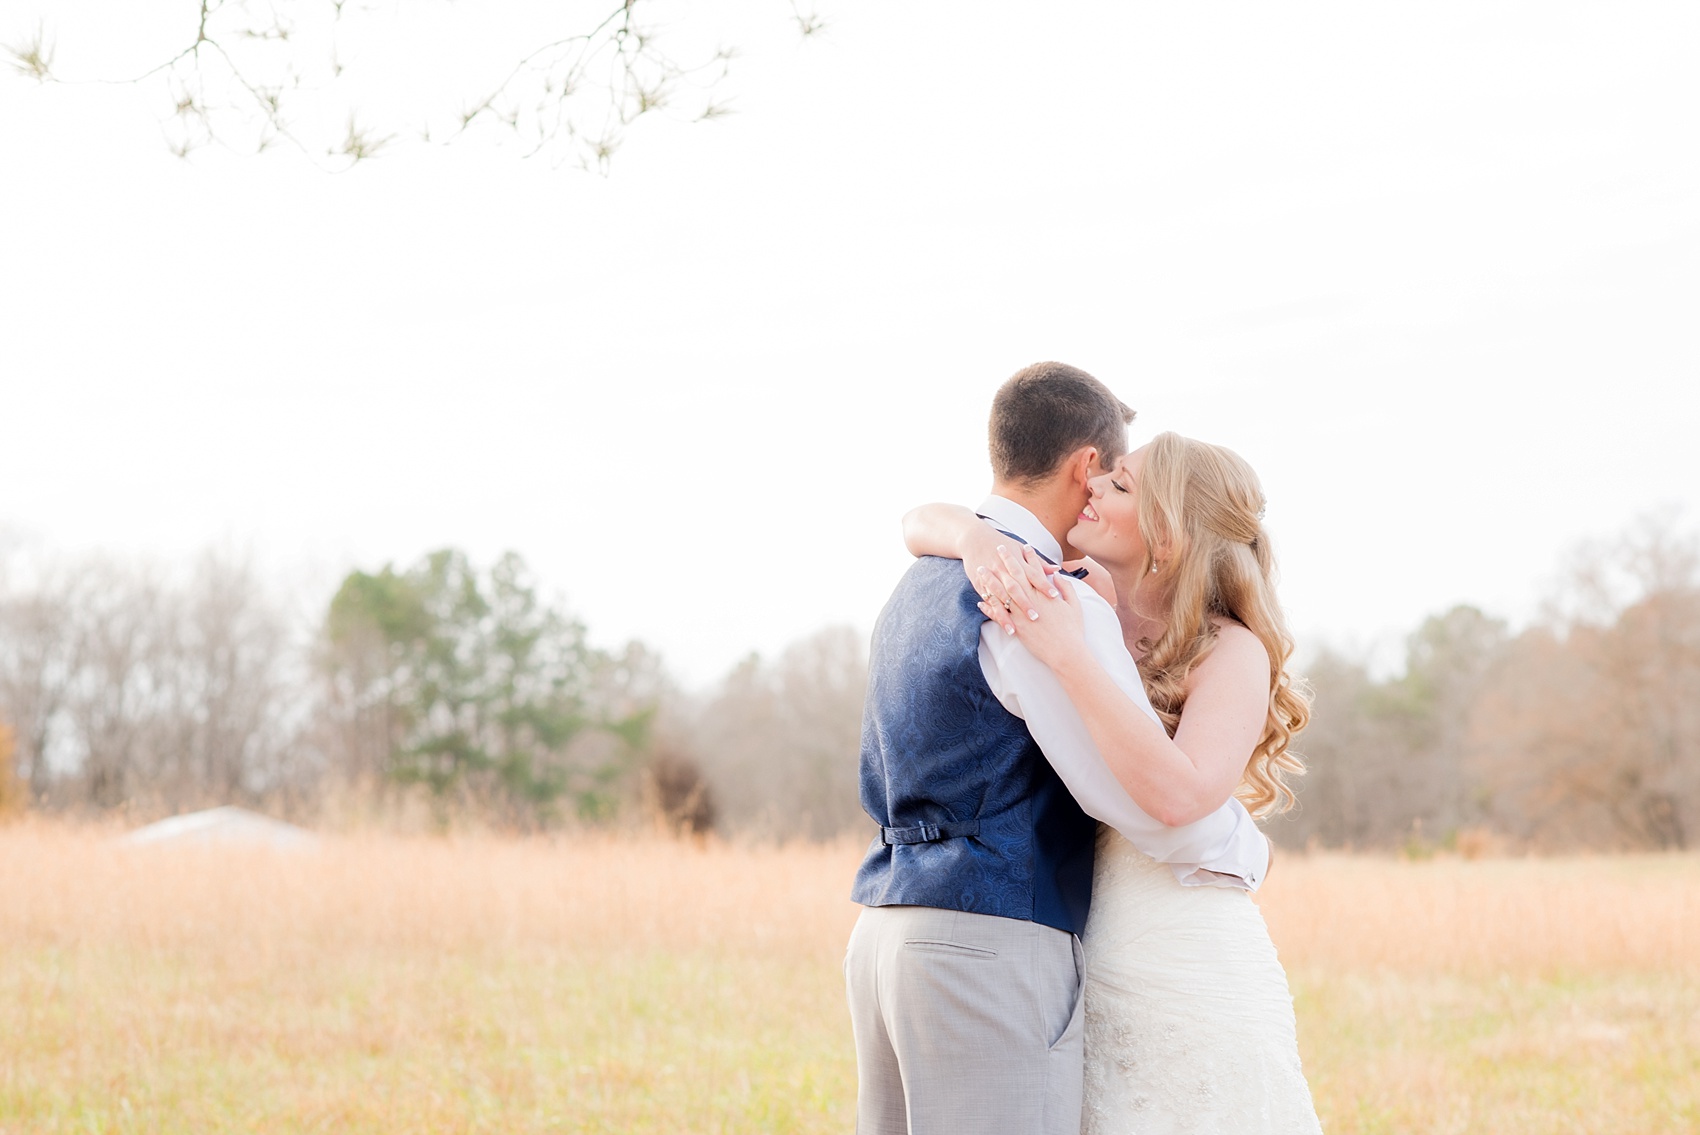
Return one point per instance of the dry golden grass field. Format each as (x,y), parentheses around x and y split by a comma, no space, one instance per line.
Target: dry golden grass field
(391,984)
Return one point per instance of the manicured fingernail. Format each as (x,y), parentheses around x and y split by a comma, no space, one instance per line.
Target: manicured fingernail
(1033,615)
(1055,594)
(1009,629)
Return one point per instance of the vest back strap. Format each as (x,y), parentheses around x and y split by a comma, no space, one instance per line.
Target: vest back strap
(930,833)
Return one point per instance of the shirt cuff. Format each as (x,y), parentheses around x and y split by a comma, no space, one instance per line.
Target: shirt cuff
(1204,877)
(1248,880)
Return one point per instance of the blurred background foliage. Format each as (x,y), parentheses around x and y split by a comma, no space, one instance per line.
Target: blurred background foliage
(470,685)
(457,694)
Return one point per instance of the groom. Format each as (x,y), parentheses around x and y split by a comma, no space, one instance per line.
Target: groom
(965,968)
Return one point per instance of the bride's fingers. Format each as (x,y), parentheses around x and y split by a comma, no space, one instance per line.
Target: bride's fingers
(998,614)
(992,588)
(1028,567)
(1039,573)
(994,600)
(1020,594)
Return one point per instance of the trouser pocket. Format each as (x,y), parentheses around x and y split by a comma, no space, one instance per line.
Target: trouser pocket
(1076,1018)
(941,945)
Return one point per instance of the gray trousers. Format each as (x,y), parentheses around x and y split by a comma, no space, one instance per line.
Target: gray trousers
(965,1023)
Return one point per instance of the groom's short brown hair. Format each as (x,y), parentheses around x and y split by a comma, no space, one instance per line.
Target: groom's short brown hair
(1045,412)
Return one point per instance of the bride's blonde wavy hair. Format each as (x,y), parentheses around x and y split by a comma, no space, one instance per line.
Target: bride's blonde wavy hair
(1202,504)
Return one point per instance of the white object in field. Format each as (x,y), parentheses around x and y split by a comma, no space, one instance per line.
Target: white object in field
(224,827)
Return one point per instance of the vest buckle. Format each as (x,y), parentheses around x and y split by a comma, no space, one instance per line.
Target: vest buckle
(930,833)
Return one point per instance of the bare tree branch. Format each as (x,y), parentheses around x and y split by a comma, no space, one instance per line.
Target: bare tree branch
(246,77)
(33,58)
(808,23)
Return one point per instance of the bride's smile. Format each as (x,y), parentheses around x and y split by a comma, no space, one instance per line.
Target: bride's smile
(1107,528)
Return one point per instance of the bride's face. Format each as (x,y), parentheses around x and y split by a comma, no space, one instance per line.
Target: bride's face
(1108,527)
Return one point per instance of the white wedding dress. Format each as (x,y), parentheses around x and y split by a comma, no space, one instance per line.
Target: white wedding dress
(1189,1022)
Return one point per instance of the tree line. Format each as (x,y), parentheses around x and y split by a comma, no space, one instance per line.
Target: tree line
(462,689)
(1581,730)
(467,693)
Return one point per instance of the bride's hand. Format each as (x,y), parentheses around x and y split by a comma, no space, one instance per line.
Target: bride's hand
(1009,569)
(1023,598)
(980,548)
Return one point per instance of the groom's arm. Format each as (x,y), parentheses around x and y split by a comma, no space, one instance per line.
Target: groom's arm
(1224,848)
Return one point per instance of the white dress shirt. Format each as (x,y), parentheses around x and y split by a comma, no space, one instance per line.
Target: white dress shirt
(1223,849)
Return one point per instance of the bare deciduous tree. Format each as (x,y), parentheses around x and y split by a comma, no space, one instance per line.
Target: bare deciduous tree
(249,74)
(779,743)
(134,690)
(40,658)
(1592,736)
(230,702)
(1582,731)
(121,626)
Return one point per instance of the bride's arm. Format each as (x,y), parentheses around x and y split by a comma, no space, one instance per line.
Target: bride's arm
(1173,781)
(956,533)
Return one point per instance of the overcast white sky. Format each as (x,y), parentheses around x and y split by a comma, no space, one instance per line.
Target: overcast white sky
(1434,269)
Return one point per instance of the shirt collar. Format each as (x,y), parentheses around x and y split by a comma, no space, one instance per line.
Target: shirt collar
(1013,518)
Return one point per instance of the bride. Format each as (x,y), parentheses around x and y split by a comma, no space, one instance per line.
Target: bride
(1189,1022)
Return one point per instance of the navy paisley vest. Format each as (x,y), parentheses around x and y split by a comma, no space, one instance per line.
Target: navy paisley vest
(971,815)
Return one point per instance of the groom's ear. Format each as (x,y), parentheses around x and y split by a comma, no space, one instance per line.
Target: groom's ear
(1083,465)
(1080,468)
